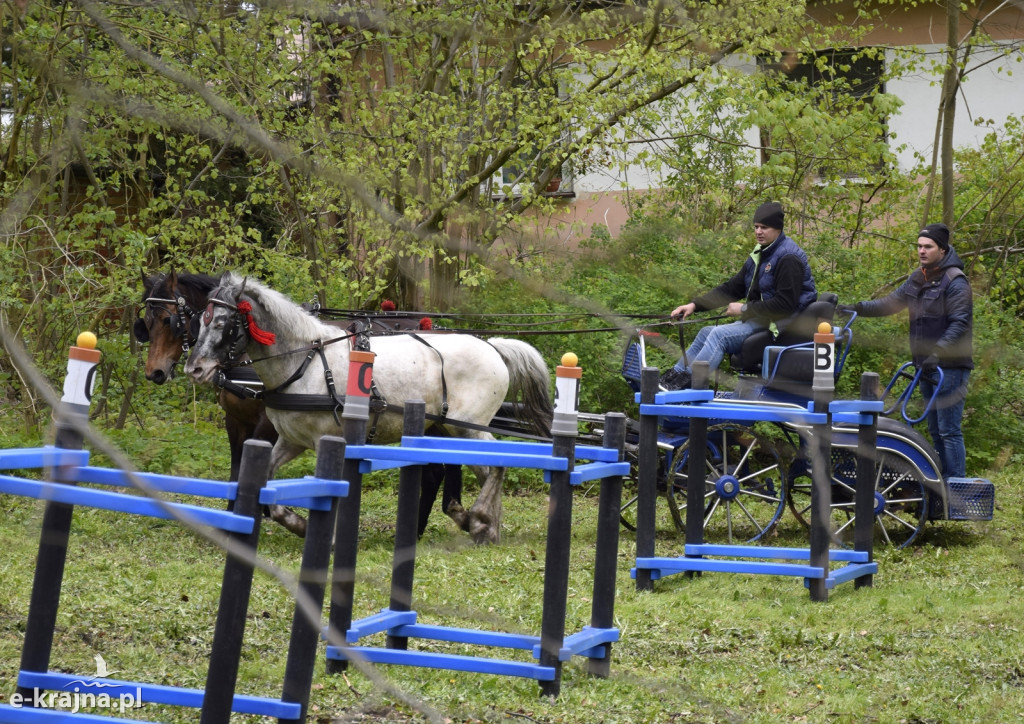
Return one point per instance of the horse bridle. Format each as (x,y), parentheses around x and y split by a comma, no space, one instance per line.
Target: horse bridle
(184,321)
(237,330)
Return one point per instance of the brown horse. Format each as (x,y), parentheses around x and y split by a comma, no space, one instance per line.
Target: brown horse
(172,306)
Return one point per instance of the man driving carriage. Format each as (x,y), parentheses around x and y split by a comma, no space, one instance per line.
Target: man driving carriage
(776,283)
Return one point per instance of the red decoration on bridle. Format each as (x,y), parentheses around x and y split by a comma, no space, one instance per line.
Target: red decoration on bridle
(387,306)
(426,324)
(258,335)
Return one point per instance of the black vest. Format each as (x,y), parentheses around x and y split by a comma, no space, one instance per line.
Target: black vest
(926,303)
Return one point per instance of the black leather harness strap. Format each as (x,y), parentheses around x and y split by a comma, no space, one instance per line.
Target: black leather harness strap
(444,383)
(238,387)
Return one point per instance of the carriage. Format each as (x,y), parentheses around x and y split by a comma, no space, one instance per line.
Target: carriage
(755,470)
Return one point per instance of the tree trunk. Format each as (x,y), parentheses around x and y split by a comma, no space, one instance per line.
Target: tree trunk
(950,87)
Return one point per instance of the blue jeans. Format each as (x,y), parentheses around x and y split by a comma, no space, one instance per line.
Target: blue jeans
(944,420)
(712,343)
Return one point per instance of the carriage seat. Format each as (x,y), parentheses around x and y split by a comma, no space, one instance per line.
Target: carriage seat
(750,358)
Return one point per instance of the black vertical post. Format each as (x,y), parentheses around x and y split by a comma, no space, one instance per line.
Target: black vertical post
(316,556)
(403,565)
(864,501)
(821,504)
(564,429)
(72,418)
(346,533)
(236,588)
(49,573)
(823,389)
(606,550)
(346,544)
(696,471)
(647,477)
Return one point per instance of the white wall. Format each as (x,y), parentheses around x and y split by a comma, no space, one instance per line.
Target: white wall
(992,91)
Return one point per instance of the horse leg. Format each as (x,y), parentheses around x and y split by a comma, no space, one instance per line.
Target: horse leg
(451,499)
(483,520)
(282,453)
(237,435)
(452,495)
(244,419)
(433,475)
(430,483)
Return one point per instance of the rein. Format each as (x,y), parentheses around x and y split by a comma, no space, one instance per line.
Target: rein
(243,325)
(517,332)
(520,329)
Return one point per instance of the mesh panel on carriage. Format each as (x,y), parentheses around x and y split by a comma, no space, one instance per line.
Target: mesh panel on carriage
(632,363)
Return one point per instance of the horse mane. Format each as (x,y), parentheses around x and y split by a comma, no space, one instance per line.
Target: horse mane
(194,287)
(272,310)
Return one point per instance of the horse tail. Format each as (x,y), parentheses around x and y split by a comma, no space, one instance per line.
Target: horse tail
(529,382)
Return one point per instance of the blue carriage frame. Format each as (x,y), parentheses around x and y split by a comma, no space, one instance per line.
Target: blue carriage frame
(908,473)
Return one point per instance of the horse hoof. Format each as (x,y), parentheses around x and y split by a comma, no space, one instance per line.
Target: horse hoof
(289,519)
(458,514)
(482,531)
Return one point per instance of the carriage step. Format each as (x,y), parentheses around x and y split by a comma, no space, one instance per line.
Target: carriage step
(969,499)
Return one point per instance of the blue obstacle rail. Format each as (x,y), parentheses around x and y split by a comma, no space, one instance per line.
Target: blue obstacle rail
(66,466)
(604,463)
(564,465)
(65,469)
(815,563)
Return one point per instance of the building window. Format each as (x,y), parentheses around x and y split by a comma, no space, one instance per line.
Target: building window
(858,69)
(842,80)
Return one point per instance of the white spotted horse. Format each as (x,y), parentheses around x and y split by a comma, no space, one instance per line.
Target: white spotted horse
(462,379)
(172,305)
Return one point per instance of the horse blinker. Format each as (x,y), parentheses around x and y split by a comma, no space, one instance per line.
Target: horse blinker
(141,331)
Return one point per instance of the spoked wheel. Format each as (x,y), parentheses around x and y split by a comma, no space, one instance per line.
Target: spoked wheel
(900,500)
(744,485)
(664,522)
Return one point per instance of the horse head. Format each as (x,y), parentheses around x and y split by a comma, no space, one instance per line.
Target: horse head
(170,319)
(224,331)
(169,311)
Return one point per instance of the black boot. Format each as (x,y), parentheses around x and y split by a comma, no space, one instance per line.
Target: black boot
(673,379)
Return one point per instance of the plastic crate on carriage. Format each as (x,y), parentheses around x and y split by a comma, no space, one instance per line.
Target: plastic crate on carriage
(756,471)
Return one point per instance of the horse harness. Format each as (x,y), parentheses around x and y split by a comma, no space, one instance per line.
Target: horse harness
(277,399)
(184,320)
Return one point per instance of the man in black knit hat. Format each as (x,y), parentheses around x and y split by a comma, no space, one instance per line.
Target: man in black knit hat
(776,284)
(938,297)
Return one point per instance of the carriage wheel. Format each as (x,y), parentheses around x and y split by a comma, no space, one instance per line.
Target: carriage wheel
(744,488)
(901,502)
(663,520)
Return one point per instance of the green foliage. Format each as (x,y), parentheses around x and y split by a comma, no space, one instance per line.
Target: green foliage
(990,212)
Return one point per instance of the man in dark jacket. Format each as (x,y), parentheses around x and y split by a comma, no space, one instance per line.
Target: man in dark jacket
(938,297)
(775,281)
